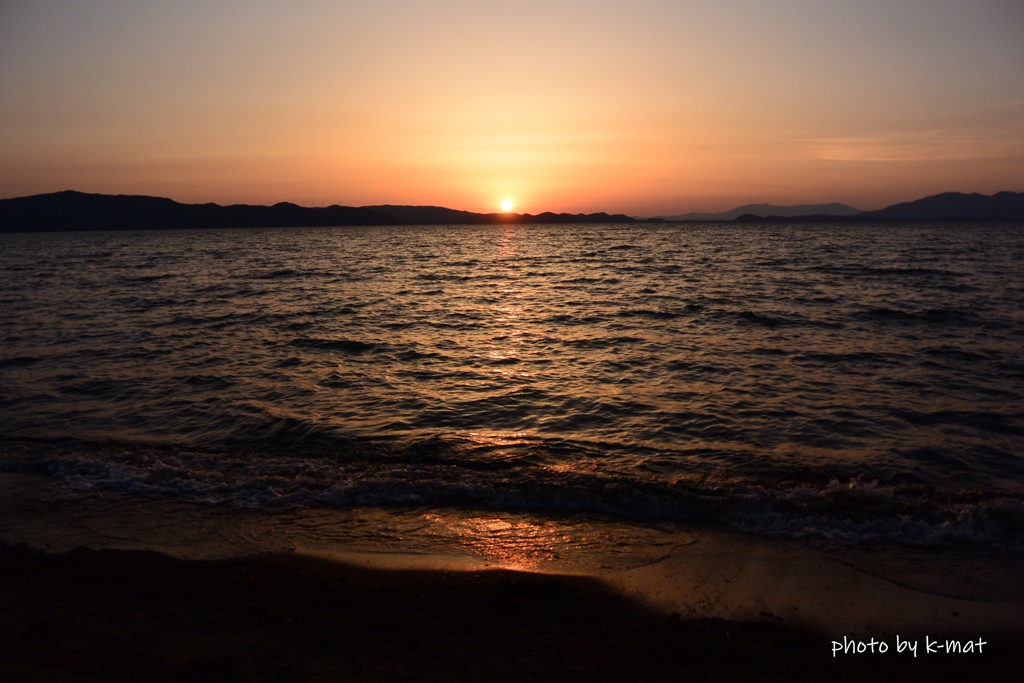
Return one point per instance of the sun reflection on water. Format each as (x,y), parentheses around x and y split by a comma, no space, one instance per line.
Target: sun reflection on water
(523,542)
(507,346)
(511,543)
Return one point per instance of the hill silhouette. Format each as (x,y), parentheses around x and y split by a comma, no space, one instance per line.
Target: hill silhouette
(1002,206)
(75,211)
(438,215)
(428,215)
(70,210)
(948,206)
(833,209)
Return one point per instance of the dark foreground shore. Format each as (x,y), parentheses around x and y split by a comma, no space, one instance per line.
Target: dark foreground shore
(142,616)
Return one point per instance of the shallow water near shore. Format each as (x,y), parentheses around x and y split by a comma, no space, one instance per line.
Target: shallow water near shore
(691,571)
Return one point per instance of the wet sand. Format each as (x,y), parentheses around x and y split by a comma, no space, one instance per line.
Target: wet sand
(141,616)
(220,602)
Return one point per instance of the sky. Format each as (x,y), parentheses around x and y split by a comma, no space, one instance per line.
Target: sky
(643,107)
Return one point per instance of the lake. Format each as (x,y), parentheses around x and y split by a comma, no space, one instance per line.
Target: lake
(839,383)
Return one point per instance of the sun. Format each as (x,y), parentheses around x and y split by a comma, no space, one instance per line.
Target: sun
(506,205)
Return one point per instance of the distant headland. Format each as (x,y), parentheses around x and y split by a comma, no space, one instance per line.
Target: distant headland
(834,209)
(79,211)
(948,206)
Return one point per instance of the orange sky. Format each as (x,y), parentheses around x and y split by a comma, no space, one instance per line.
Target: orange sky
(645,108)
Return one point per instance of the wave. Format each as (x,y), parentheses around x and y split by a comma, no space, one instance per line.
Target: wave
(517,473)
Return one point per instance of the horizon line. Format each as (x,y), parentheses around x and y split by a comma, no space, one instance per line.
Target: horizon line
(663,216)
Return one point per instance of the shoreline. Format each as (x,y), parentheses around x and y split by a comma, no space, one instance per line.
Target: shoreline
(116,615)
(130,588)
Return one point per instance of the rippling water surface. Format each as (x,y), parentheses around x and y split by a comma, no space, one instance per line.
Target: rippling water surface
(812,380)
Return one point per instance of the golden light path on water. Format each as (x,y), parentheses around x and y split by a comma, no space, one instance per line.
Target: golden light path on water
(520,544)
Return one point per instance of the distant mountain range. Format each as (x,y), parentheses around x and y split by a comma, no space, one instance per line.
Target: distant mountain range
(1002,206)
(438,215)
(71,210)
(770,210)
(74,211)
(948,206)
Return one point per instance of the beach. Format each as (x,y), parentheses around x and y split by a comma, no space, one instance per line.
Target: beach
(713,608)
(133,615)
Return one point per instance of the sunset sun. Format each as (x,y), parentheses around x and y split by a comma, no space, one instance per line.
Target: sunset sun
(506,205)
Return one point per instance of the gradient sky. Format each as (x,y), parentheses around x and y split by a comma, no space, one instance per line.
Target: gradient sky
(641,107)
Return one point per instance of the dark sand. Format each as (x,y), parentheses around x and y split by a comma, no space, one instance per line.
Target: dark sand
(116,615)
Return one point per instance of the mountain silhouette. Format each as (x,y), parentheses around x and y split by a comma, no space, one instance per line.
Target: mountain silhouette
(430,215)
(1002,206)
(438,215)
(833,209)
(948,206)
(70,210)
(75,211)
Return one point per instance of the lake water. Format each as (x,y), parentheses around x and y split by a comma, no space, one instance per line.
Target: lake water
(840,383)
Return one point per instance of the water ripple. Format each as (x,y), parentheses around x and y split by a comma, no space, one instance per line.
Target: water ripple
(735,353)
